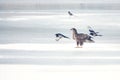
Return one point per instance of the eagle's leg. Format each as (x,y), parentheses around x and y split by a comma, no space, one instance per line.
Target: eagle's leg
(81,43)
(77,42)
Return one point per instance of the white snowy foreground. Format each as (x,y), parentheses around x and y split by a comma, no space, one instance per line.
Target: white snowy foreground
(73,72)
(59,61)
(60,54)
(60,47)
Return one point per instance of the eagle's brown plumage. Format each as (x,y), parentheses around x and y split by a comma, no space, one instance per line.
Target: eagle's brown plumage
(79,37)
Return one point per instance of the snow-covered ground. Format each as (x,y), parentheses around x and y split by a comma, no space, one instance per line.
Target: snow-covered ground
(29,37)
(28,50)
(59,54)
(73,72)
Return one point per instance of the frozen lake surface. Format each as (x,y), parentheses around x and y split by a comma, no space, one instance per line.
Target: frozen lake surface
(28,37)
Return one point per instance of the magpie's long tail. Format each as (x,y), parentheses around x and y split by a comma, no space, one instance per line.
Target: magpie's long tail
(66,37)
(99,35)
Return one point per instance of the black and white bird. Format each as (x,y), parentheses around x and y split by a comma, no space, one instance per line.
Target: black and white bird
(70,13)
(90,39)
(60,36)
(92,32)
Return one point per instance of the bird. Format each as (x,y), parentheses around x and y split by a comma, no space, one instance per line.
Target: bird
(92,32)
(70,13)
(80,37)
(60,36)
(89,39)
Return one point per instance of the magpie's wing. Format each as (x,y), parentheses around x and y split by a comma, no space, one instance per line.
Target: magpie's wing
(91,31)
(61,35)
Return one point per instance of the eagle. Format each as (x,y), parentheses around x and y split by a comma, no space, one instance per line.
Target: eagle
(80,38)
(60,36)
